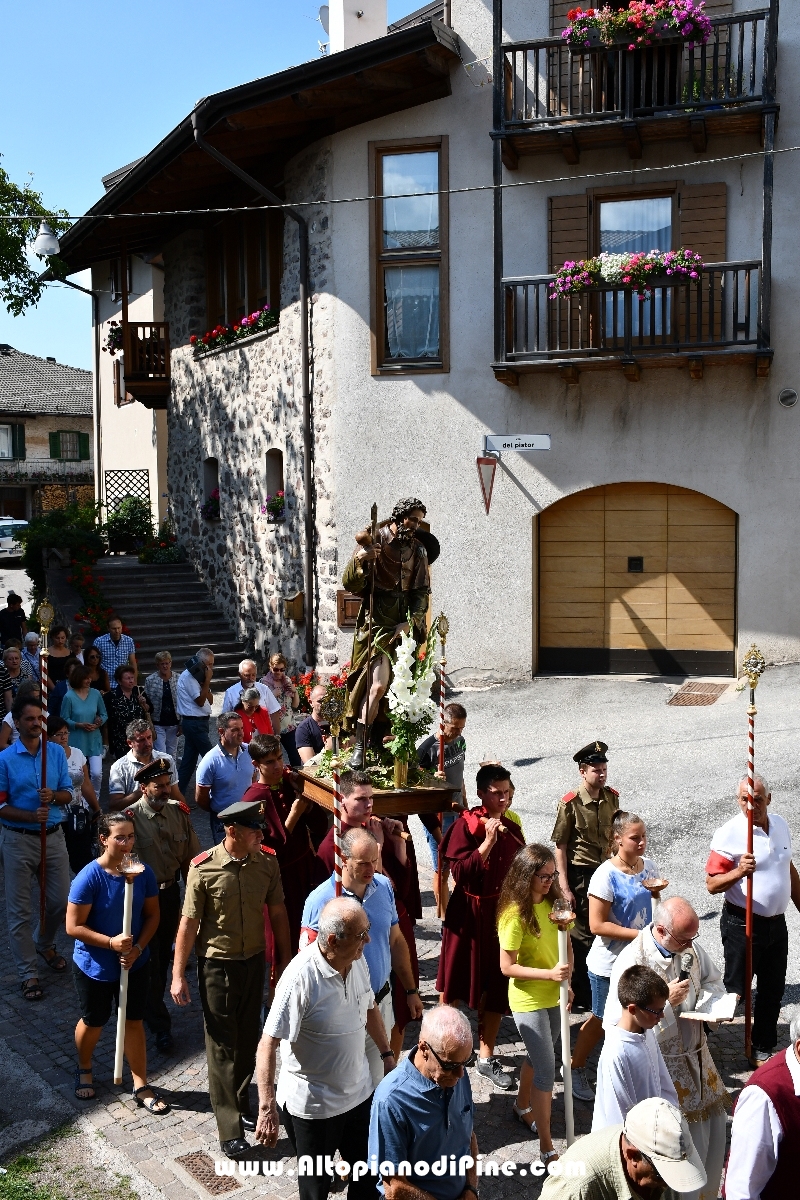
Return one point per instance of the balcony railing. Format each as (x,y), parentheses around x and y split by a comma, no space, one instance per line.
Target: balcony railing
(546,85)
(45,470)
(717,315)
(147,361)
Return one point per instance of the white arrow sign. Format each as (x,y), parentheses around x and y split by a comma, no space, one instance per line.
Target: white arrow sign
(499,443)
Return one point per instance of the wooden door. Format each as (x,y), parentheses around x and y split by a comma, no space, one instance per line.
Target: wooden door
(637,577)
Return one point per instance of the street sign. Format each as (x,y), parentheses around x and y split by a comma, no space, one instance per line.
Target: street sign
(522,443)
(486,470)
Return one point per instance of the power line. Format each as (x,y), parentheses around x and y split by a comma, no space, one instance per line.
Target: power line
(455,191)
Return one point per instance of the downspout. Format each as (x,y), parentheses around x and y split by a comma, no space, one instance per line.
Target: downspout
(308,474)
(98,429)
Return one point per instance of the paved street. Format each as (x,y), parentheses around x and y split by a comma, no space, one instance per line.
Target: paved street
(677,767)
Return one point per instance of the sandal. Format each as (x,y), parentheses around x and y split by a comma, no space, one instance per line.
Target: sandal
(520,1114)
(150,1102)
(83,1087)
(32,990)
(55,961)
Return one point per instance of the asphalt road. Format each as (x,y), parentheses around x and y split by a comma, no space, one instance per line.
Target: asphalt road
(677,767)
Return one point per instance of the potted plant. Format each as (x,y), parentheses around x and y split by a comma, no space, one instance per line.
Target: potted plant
(210,510)
(273,507)
(130,526)
(640,272)
(643,23)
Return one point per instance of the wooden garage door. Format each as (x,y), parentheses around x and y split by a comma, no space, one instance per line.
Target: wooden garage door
(637,577)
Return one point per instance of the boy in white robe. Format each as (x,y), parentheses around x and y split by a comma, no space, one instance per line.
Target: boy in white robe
(631,1066)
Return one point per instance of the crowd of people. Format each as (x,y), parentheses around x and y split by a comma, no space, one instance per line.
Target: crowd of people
(332,981)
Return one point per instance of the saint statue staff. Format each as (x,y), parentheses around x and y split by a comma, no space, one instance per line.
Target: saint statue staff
(753,665)
(443,626)
(130,868)
(45,614)
(367,720)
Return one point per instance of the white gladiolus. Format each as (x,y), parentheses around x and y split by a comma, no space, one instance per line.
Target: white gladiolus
(408,697)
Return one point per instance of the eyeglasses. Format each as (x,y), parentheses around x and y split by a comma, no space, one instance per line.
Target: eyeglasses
(279,670)
(364,935)
(654,1012)
(679,942)
(547,878)
(451,1067)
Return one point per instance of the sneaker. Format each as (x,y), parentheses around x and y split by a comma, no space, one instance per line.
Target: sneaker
(490,1068)
(581,1088)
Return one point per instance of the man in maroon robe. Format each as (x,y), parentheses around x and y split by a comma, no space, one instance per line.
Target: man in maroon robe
(479,848)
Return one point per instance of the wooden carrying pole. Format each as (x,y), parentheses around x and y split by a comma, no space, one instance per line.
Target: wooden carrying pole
(753,664)
(129,874)
(566,1047)
(443,626)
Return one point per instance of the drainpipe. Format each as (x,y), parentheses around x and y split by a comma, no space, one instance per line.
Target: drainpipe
(98,429)
(308,475)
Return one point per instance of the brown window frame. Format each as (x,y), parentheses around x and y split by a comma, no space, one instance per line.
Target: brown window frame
(636,192)
(235,250)
(380,259)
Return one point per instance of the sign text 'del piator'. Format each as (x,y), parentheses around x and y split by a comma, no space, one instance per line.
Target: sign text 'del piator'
(499,443)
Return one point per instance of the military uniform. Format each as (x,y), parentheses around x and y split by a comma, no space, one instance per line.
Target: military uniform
(227,897)
(584,826)
(167,842)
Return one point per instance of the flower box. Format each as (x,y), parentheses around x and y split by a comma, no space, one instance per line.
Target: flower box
(643,24)
(639,272)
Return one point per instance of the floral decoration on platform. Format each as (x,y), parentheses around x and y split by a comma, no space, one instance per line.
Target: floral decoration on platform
(411,709)
(642,23)
(224,335)
(633,270)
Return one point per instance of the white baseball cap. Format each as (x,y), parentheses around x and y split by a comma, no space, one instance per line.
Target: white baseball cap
(659,1132)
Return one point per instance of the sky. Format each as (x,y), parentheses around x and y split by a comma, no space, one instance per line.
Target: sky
(91,86)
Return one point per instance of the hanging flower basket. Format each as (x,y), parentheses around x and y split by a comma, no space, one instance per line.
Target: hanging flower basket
(643,23)
(639,272)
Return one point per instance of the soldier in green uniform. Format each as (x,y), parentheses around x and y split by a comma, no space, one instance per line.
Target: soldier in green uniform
(581,834)
(223,913)
(167,842)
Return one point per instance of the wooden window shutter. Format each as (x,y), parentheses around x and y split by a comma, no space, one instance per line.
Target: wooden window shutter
(55,445)
(703,209)
(84,450)
(569,229)
(275,223)
(18,441)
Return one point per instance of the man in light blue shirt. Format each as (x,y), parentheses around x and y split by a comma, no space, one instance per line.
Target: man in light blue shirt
(116,648)
(386,950)
(225,773)
(26,802)
(423,1112)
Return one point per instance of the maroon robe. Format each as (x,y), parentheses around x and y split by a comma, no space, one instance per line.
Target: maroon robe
(406,891)
(301,869)
(469,965)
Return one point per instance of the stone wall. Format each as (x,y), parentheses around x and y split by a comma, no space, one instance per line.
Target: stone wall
(234,405)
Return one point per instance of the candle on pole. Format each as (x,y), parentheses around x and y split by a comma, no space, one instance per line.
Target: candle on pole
(443,627)
(45,614)
(331,710)
(562,913)
(753,665)
(130,868)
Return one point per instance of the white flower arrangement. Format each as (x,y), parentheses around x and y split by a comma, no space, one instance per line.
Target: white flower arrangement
(410,705)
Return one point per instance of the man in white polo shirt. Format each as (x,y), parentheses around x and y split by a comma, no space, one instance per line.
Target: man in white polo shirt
(247,679)
(323,1003)
(775,882)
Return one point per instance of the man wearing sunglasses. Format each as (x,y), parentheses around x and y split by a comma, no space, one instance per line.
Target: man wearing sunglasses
(423,1113)
(670,947)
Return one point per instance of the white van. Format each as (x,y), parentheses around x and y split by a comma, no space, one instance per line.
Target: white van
(9,546)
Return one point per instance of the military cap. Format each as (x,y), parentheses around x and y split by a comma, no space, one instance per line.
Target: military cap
(249,815)
(153,771)
(595,752)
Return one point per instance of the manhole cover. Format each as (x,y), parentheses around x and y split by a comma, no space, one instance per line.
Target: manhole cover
(698,693)
(201,1167)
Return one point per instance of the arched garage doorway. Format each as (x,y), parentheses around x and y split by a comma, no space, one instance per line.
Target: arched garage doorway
(637,577)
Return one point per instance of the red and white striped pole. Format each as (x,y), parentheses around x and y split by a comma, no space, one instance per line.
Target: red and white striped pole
(337,811)
(43,826)
(753,665)
(443,627)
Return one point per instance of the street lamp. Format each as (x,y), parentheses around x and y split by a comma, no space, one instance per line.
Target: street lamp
(46,244)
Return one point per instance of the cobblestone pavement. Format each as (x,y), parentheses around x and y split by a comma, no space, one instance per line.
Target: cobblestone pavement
(41,1034)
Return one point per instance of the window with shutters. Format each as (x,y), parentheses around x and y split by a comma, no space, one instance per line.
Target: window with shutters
(244,258)
(409,247)
(70,445)
(6,446)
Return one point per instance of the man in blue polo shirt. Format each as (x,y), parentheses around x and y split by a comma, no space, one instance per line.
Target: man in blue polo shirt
(386,950)
(423,1113)
(225,773)
(25,802)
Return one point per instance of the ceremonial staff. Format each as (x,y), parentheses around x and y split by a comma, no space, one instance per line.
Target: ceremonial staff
(443,627)
(561,912)
(753,665)
(331,710)
(45,614)
(373,534)
(129,869)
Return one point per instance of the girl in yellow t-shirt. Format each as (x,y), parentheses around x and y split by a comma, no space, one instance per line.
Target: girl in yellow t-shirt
(529,958)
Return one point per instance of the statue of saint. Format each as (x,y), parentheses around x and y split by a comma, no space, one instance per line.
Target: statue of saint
(399,559)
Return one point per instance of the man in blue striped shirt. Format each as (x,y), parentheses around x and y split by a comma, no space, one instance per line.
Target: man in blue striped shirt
(116,648)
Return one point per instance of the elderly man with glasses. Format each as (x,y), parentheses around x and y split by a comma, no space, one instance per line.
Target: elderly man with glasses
(423,1113)
(670,947)
(323,1003)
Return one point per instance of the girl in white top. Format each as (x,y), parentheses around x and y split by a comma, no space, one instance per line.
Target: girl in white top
(85,807)
(621,895)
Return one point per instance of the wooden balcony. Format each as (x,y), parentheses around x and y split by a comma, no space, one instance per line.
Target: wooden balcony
(715,319)
(146,362)
(554,99)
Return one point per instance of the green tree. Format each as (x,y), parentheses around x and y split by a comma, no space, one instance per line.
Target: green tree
(21,284)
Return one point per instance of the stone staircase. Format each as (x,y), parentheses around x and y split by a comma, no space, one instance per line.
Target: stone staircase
(166,607)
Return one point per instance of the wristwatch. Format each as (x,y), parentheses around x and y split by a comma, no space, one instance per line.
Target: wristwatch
(412,991)
(469,1188)
(387,1054)
(136,946)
